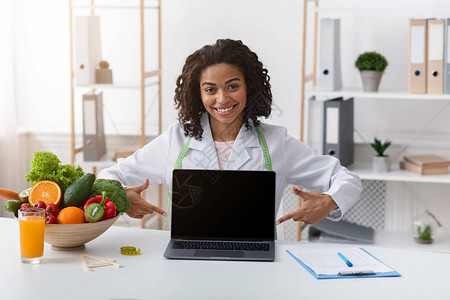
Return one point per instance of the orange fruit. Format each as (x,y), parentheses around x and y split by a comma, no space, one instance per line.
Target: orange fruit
(46,191)
(71,215)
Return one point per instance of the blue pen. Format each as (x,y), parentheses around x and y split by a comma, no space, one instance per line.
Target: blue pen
(345,260)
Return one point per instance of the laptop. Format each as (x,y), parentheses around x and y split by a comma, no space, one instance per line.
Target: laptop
(222,215)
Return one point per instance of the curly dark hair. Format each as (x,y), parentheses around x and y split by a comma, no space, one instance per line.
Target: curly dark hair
(187,93)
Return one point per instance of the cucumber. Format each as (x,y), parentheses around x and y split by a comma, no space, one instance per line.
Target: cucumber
(77,193)
(13,206)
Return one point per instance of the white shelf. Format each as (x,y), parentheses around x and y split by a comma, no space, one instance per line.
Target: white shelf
(396,174)
(382,94)
(150,4)
(111,7)
(405,240)
(144,81)
(119,85)
(105,162)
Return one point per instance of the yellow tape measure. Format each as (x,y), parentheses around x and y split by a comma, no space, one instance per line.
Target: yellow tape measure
(129,250)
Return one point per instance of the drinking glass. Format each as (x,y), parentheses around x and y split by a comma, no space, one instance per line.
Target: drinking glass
(32,228)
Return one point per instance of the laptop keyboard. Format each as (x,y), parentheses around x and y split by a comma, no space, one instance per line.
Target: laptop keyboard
(222,245)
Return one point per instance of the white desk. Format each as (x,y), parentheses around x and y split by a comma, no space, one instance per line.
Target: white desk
(150,276)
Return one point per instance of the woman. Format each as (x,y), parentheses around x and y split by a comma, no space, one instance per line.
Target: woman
(221,93)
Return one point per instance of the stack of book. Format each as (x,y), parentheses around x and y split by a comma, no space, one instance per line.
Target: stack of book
(425,164)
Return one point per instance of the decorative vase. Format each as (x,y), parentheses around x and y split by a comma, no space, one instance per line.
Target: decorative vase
(371,80)
(103,76)
(381,163)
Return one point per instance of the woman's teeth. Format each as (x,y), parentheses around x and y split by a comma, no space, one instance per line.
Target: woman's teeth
(225,109)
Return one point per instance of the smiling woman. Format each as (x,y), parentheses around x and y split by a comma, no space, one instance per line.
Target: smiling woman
(224,95)
(9,161)
(216,72)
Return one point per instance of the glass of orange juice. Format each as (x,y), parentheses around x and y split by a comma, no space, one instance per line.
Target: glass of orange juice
(32,228)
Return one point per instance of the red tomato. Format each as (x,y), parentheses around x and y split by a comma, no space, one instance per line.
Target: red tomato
(52,209)
(40,204)
(25,206)
(51,219)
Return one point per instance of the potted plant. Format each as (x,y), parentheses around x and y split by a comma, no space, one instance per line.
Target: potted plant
(381,162)
(424,233)
(371,65)
(104,74)
(426,224)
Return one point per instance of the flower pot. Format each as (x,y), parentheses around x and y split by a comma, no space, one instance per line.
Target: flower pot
(381,164)
(371,80)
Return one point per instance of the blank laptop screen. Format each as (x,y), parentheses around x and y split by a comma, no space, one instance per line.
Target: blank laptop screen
(225,205)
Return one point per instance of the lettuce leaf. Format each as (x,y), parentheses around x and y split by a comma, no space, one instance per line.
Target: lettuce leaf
(47,166)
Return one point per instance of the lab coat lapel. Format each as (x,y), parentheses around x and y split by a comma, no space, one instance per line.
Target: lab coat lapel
(239,154)
(204,154)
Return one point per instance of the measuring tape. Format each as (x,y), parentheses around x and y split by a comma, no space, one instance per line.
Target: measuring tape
(265,149)
(129,250)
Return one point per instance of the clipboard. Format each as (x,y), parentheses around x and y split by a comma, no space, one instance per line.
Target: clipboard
(365,265)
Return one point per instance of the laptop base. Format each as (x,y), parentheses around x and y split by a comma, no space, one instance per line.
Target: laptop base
(208,254)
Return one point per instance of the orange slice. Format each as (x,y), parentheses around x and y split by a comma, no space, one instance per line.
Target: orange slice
(71,215)
(46,191)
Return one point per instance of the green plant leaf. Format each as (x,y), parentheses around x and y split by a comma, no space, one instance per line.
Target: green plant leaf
(425,233)
(380,147)
(371,61)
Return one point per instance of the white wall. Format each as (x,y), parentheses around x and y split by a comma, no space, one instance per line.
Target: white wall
(271,28)
(42,46)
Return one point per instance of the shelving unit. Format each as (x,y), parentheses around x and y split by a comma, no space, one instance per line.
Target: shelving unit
(396,174)
(383,94)
(376,204)
(364,171)
(140,85)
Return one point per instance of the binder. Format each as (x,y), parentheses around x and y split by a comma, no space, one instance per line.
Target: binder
(417,56)
(338,130)
(435,63)
(328,231)
(94,143)
(330,130)
(316,115)
(328,264)
(447,57)
(87,49)
(329,77)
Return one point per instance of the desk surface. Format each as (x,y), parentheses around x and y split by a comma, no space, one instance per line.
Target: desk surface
(151,276)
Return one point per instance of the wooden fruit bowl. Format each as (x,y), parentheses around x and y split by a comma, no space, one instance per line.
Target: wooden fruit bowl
(74,236)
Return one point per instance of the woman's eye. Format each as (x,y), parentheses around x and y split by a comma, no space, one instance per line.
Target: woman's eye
(209,90)
(233,87)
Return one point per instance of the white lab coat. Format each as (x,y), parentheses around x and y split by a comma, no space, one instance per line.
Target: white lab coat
(293,161)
